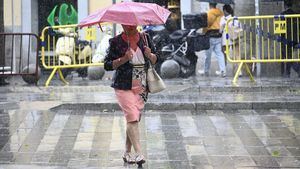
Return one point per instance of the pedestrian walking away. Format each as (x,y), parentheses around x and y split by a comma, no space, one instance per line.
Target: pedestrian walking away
(233,42)
(213,31)
(129,56)
(292,36)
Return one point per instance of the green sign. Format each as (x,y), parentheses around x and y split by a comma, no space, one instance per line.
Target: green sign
(67,15)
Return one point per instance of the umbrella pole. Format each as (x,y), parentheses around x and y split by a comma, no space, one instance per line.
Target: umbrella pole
(127,39)
(100,27)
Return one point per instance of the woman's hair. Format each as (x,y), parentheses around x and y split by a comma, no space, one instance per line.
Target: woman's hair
(213,4)
(228,9)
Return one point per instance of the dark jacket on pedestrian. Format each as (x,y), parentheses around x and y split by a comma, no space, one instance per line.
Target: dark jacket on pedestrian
(289,40)
(291,37)
(122,78)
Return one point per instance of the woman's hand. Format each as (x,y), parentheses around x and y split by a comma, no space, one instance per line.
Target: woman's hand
(121,60)
(147,52)
(149,55)
(128,55)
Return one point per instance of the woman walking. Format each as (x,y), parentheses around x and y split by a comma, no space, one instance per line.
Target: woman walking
(130,56)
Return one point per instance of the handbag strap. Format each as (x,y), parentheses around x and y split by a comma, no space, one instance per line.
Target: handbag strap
(145,40)
(144,37)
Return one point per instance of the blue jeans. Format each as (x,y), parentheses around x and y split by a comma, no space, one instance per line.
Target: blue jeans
(215,46)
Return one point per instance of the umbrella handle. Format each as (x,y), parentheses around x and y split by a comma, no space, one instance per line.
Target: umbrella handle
(100,27)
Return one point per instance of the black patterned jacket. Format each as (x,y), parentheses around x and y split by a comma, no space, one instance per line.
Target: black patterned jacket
(122,78)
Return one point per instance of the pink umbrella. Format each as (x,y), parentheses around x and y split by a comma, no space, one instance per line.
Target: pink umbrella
(129,13)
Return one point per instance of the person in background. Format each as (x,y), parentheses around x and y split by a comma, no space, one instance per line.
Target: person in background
(234,45)
(214,16)
(130,57)
(292,37)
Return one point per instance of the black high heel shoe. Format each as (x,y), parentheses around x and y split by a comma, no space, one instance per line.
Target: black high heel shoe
(127,158)
(140,160)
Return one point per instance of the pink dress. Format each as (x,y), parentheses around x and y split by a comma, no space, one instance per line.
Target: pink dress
(132,101)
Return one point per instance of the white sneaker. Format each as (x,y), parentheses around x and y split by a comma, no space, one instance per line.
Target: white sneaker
(201,72)
(218,73)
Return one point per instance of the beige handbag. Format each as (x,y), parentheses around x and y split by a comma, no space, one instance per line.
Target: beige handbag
(154,82)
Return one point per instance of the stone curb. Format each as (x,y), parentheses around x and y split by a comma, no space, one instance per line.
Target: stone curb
(184,106)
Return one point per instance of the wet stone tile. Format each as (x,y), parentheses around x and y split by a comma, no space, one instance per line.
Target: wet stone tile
(240,126)
(99,154)
(236,151)
(196,141)
(242,161)
(251,141)
(278,151)
(61,159)
(199,160)
(41,157)
(80,154)
(162,156)
(23,158)
(283,133)
(212,151)
(290,142)
(173,136)
(266,162)
(267,141)
(213,141)
(177,155)
(295,151)
(288,162)
(221,161)
(245,133)
(179,164)
(78,163)
(257,151)
(7,157)
(159,164)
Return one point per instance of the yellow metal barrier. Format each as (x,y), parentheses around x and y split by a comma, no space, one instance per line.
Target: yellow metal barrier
(62,48)
(262,39)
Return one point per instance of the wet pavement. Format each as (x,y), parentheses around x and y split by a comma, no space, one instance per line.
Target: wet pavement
(197,123)
(176,140)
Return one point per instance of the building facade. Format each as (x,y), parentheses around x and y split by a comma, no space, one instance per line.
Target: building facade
(31,16)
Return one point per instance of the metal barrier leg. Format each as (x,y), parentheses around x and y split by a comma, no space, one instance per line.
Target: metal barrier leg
(50,77)
(249,73)
(62,77)
(237,72)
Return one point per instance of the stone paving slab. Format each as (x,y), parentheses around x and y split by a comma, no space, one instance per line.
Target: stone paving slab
(221,139)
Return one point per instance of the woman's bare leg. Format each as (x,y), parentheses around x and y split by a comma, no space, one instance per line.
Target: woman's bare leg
(134,136)
(128,144)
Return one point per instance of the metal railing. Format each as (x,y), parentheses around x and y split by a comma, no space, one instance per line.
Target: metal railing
(19,54)
(63,48)
(262,39)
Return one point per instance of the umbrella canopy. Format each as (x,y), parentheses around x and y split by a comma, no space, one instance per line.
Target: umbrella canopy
(232,1)
(219,1)
(129,13)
